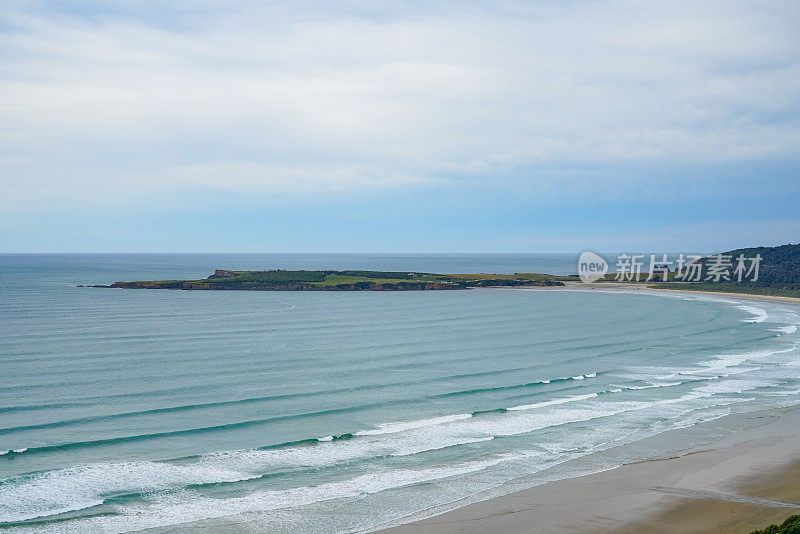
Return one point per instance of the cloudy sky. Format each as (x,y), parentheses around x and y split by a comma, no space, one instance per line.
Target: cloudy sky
(548,126)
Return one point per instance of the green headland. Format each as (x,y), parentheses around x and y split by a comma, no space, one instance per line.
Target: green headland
(282,280)
(779,275)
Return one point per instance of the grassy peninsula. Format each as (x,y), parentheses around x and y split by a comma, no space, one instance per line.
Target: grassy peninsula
(283,280)
(779,276)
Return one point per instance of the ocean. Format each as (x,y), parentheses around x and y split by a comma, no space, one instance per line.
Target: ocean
(226,411)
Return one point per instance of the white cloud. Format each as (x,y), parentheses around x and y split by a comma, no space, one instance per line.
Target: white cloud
(282,100)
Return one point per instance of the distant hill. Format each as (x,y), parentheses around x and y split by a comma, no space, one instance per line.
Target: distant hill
(779,273)
(778,265)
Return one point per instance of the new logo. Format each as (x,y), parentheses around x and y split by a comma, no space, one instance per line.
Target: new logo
(591,267)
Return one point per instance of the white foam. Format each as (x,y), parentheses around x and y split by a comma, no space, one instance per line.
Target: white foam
(720,366)
(322,455)
(331,452)
(23,498)
(726,361)
(785,393)
(789,329)
(553,402)
(168,510)
(582,377)
(732,386)
(759,315)
(391,428)
(655,385)
(76,488)
(524,422)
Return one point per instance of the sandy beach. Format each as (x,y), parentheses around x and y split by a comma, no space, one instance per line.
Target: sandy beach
(746,478)
(643,287)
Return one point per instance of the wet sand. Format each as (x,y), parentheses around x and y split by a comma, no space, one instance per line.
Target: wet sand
(738,483)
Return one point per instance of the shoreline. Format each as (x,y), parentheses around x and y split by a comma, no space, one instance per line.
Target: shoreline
(770,298)
(743,479)
(642,287)
(746,477)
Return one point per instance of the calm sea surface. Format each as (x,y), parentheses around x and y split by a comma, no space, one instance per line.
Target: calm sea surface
(123,410)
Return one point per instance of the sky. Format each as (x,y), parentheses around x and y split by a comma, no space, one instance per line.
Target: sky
(537,126)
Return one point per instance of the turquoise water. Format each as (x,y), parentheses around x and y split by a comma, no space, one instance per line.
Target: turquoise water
(122,410)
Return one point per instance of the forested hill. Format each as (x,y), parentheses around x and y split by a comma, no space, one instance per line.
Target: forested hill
(778,273)
(778,264)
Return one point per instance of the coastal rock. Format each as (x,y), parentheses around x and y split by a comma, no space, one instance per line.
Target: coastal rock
(222,273)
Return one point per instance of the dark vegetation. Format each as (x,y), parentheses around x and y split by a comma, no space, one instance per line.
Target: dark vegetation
(778,265)
(779,274)
(790,526)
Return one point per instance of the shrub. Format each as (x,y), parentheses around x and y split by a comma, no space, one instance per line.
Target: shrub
(790,526)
